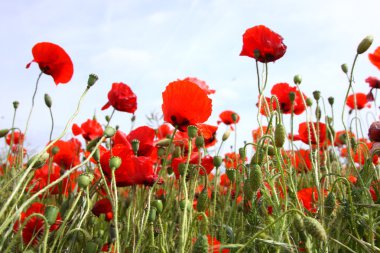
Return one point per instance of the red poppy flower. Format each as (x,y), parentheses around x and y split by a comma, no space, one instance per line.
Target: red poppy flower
(18,138)
(206,162)
(266,107)
(304,130)
(122,98)
(202,84)
(68,154)
(90,129)
(262,44)
(281,91)
(300,160)
(103,206)
(145,136)
(361,101)
(209,134)
(132,171)
(34,228)
(309,198)
(184,104)
(375,58)
(214,245)
(258,133)
(374,83)
(227,117)
(163,131)
(53,61)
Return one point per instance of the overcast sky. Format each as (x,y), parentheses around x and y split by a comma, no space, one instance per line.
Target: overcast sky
(148,44)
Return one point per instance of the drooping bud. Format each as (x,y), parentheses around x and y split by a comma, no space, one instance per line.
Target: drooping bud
(315,229)
(48,101)
(316,95)
(297,79)
(242,153)
(107,118)
(309,102)
(344,68)
(192,131)
(292,96)
(256,177)
(115,162)
(92,78)
(330,203)
(298,222)
(217,161)
(4,132)
(202,201)
(135,146)
(279,135)
(16,104)
(331,100)
(247,189)
(51,214)
(109,132)
(226,135)
(365,44)
(158,205)
(199,141)
(231,174)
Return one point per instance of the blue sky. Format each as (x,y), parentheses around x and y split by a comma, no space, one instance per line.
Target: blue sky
(148,44)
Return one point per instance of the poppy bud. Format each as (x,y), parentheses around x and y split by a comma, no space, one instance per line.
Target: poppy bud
(315,229)
(297,79)
(192,131)
(374,132)
(256,177)
(318,113)
(270,149)
(92,78)
(54,150)
(135,146)
(365,44)
(109,132)
(344,68)
(158,205)
(298,222)
(330,203)
(242,153)
(279,135)
(91,247)
(51,214)
(202,201)
(331,100)
(133,118)
(199,141)
(152,215)
(15,104)
(226,135)
(115,162)
(84,180)
(316,95)
(107,118)
(247,189)
(184,203)
(201,244)
(234,117)
(38,161)
(217,161)
(231,174)
(48,101)
(4,132)
(292,96)
(309,102)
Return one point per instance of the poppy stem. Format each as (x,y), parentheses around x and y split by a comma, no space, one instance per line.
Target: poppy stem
(31,109)
(52,124)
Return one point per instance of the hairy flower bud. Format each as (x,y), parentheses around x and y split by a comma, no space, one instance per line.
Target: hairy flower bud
(364,44)
(279,135)
(51,214)
(315,229)
(344,68)
(48,101)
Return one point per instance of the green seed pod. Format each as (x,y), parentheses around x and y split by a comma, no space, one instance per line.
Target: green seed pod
(297,79)
(279,135)
(231,174)
(201,244)
(4,132)
(92,78)
(315,229)
(38,161)
(135,146)
(344,68)
(218,160)
(55,150)
(48,101)
(309,102)
(192,131)
(331,100)
(184,203)
(292,96)
(202,201)
(364,44)
(152,214)
(316,95)
(84,180)
(115,162)
(16,104)
(199,141)
(158,205)
(330,203)
(298,222)
(256,177)
(51,214)
(109,132)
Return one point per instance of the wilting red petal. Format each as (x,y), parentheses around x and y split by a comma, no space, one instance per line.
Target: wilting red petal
(262,44)
(184,104)
(54,61)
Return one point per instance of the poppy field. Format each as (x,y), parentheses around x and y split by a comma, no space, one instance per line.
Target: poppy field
(172,187)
